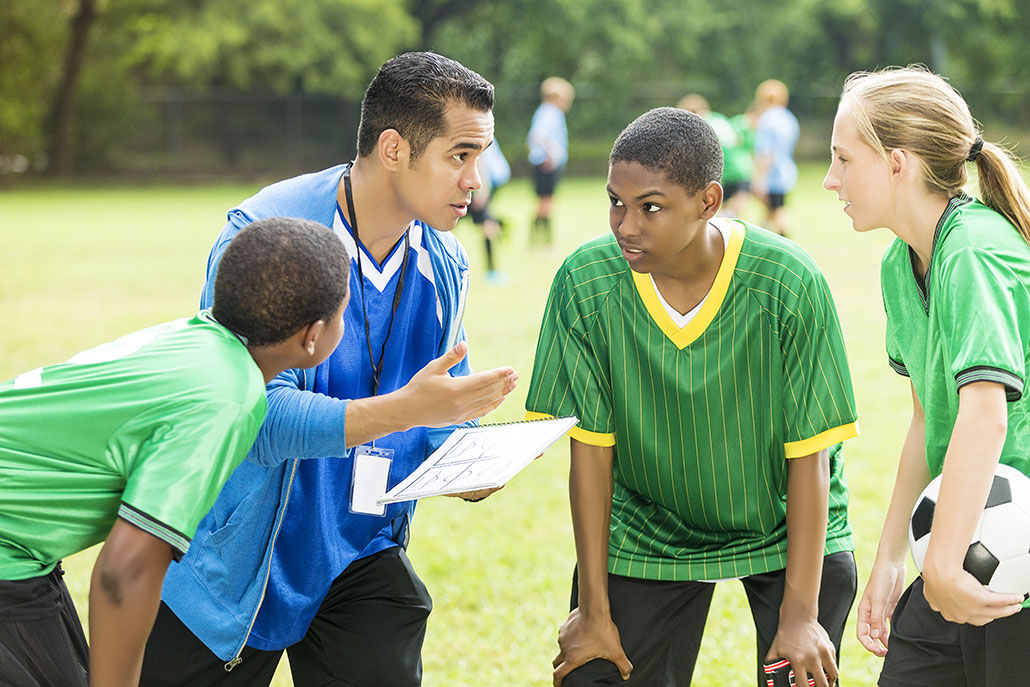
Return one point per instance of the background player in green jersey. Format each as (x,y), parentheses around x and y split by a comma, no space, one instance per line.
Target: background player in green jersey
(736,136)
(132,441)
(955,289)
(705,362)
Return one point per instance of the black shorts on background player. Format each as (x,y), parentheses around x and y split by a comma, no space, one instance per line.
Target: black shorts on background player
(544,183)
(38,624)
(734,187)
(660,623)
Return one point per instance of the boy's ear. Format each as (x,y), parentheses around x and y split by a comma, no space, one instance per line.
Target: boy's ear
(310,335)
(711,195)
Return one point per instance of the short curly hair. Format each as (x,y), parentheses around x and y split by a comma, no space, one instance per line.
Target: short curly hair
(279,275)
(679,144)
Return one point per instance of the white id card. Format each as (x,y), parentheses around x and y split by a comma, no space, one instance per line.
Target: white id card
(371,473)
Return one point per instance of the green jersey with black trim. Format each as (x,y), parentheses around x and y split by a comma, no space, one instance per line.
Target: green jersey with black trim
(702,418)
(967,320)
(146,428)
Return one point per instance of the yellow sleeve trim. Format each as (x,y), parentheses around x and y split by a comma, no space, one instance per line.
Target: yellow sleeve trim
(581,435)
(806,447)
(592,438)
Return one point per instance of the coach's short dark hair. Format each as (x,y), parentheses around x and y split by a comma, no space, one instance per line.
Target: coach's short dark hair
(279,275)
(410,94)
(679,144)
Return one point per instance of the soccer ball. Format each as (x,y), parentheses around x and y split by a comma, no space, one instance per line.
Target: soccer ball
(999,554)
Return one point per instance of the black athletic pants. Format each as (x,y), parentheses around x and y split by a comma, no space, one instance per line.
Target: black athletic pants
(368,632)
(928,651)
(41,639)
(660,623)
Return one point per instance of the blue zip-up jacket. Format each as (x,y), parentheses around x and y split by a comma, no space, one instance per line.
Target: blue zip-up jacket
(217,589)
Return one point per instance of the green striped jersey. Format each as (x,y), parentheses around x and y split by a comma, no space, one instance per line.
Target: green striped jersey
(702,418)
(966,320)
(146,428)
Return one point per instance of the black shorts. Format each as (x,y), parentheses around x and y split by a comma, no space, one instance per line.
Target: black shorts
(734,187)
(777,200)
(544,183)
(660,623)
(925,650)
(368,631)
(41,639)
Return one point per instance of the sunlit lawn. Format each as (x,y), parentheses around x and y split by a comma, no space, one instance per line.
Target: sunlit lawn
(81,266)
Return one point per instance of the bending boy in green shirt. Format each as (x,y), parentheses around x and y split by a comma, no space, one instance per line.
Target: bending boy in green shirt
(132,441)
(706,363)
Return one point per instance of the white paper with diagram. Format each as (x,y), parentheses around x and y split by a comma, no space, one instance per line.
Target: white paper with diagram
(482,457)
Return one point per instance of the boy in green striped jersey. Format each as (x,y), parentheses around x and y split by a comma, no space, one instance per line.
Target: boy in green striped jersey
(705,361)
(131,442)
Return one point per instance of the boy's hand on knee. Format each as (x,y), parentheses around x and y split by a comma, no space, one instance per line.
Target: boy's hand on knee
(581,640)
(804,642)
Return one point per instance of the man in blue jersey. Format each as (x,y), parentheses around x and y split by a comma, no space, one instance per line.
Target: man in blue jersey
(295,554)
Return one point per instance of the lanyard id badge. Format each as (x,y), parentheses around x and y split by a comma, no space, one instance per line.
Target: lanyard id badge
(369,481)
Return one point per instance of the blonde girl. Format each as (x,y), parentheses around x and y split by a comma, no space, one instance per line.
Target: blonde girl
(955,290)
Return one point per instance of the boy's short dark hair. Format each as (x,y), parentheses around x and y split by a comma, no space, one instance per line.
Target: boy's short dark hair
(410,94)
(279,275)
(679,144)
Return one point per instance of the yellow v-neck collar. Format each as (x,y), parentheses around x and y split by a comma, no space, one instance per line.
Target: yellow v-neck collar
(688,334)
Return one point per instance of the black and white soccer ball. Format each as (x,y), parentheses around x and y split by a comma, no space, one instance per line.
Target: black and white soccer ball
(999,554)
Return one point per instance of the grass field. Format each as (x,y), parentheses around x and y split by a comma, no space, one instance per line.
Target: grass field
(84,265)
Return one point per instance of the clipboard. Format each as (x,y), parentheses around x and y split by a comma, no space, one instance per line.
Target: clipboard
(483,457)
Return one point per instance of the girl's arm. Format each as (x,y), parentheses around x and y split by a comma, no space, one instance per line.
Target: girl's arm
(969,465)
(887,578)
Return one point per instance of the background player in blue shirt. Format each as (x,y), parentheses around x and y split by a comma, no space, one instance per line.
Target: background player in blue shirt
(548,142)
(776,135)
(326,577)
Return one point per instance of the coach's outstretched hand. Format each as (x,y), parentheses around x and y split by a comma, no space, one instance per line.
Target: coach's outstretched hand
(581,640)
(435,399)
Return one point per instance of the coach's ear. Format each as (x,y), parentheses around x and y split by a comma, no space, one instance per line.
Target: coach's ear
(392,150)
(711,196)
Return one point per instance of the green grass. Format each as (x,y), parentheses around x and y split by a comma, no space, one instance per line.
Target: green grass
(85,265)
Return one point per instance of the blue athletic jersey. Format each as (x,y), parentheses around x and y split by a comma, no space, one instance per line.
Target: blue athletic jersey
(316,544)
(776,134)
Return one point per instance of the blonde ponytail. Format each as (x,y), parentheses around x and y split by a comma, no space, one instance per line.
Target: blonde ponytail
(915,110)
(1002,188)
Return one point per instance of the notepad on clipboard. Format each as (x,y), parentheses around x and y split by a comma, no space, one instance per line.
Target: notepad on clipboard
(483,457)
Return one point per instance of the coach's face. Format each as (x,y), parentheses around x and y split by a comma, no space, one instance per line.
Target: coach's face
(858,174)
(659,226)
(437,187)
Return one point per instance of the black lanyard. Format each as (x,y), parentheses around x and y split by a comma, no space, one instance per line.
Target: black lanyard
(377,368)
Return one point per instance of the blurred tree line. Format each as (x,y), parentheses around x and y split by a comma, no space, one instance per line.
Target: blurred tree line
(84,83)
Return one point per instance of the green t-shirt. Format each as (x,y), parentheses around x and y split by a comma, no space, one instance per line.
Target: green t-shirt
(702,418)
(146,428)
(736,149)
(967,321)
